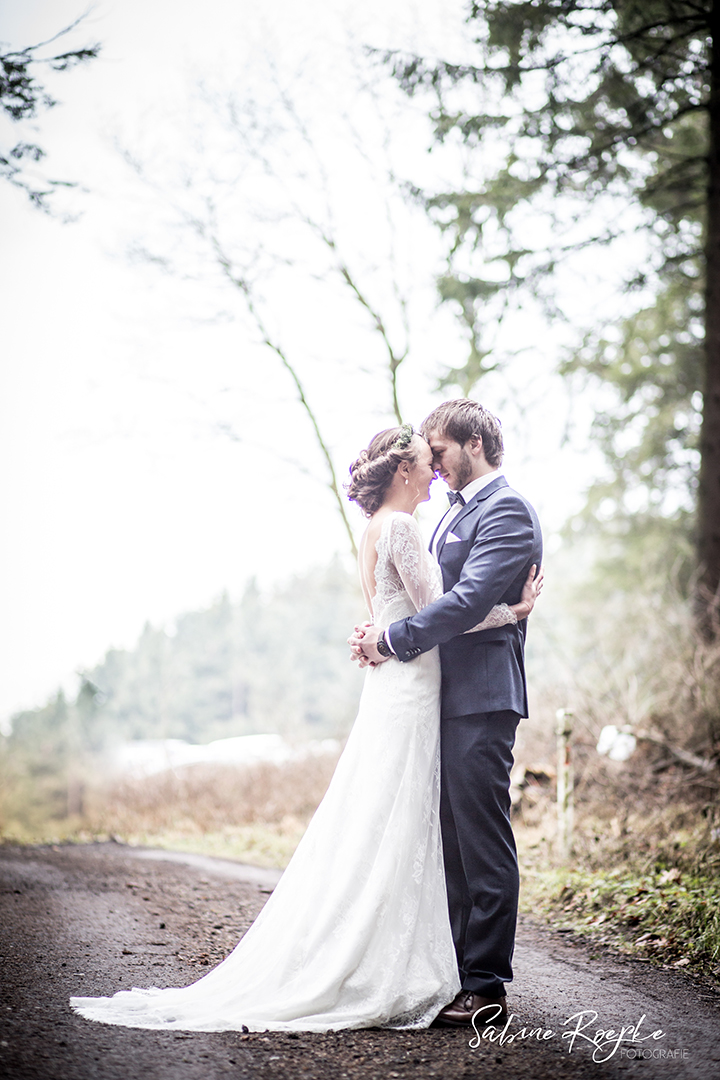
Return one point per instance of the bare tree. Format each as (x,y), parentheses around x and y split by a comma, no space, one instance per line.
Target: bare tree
(257,194)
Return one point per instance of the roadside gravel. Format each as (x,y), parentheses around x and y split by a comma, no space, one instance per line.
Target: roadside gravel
(94,919)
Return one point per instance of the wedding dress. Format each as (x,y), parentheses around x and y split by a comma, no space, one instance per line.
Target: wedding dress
(356,933)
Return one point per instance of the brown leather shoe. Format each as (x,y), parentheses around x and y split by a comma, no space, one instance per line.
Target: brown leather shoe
(459,1013)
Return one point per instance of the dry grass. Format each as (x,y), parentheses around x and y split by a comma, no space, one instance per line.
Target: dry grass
(209,798)
(254,813)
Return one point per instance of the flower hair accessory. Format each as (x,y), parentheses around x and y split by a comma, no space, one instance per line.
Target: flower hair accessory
(403,440)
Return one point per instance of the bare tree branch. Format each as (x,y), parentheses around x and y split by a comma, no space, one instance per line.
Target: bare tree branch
(245,288)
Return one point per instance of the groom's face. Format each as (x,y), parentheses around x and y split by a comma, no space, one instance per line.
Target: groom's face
(451,461)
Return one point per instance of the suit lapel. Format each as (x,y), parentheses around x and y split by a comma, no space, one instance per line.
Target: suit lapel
(473,504)
(435,532)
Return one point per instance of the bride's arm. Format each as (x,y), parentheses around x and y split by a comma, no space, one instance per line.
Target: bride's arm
(502,614)
(422,578)
(418,571)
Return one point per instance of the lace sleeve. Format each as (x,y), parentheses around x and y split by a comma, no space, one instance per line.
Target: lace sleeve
(418,571)
(421,576)
(500,615)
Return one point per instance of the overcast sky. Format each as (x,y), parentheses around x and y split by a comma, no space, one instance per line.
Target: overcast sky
(153,452)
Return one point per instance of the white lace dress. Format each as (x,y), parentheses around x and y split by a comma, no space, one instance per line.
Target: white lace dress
(356,934)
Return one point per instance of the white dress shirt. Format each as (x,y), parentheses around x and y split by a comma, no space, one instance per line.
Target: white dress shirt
(454,509)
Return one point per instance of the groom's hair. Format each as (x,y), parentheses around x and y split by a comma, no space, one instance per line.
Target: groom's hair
(463,419)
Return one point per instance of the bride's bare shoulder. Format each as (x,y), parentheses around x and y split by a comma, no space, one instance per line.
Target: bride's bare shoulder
(379,521)
(374,528)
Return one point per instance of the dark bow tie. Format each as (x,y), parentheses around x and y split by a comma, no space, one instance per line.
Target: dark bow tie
(455,498)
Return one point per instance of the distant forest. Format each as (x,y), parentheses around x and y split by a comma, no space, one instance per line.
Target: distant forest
(270,662)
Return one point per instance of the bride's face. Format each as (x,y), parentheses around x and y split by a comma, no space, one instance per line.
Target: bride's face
(421,474)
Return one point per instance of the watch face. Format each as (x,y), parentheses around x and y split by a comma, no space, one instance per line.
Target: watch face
(382,646)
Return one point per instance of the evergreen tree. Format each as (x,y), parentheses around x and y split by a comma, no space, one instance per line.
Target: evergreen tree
(22,97)
(235,668)
(615,100)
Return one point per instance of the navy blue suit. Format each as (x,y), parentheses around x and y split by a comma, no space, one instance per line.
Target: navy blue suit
(483,697)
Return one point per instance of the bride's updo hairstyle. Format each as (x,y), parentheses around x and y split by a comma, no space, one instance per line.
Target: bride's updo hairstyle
(372,474)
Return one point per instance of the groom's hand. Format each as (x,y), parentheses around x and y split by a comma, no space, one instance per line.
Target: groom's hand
(362,645)
(368,647)
(355,642)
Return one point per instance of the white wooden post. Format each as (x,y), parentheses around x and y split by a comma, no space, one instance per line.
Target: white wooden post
(565,783)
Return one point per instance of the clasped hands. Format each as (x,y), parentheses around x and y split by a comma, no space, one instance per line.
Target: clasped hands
(363,640)
(362,644)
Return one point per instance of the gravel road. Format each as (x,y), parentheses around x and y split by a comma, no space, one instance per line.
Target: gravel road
(94,919)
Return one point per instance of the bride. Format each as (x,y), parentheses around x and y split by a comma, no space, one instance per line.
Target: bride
(356,934)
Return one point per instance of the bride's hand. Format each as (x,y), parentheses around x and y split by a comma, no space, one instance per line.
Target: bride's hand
(531,590)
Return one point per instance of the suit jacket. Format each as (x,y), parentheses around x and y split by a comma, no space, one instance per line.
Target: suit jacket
(499,539)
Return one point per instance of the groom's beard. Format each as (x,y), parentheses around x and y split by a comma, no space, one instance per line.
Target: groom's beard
(464,470)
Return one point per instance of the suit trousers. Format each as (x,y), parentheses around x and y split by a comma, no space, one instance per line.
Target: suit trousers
(481,865)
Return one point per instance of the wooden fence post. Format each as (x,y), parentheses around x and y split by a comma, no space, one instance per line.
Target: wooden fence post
(565,783)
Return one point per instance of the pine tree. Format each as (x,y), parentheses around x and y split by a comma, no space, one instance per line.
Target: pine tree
(615,99)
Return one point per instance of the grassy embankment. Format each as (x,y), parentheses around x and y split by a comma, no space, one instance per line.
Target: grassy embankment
(649,887)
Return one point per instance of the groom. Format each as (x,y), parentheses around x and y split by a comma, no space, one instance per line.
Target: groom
(486,543)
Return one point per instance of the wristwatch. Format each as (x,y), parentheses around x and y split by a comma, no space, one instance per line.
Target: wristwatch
(382,646)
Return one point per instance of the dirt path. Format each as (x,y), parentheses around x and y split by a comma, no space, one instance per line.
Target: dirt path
(95,919)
